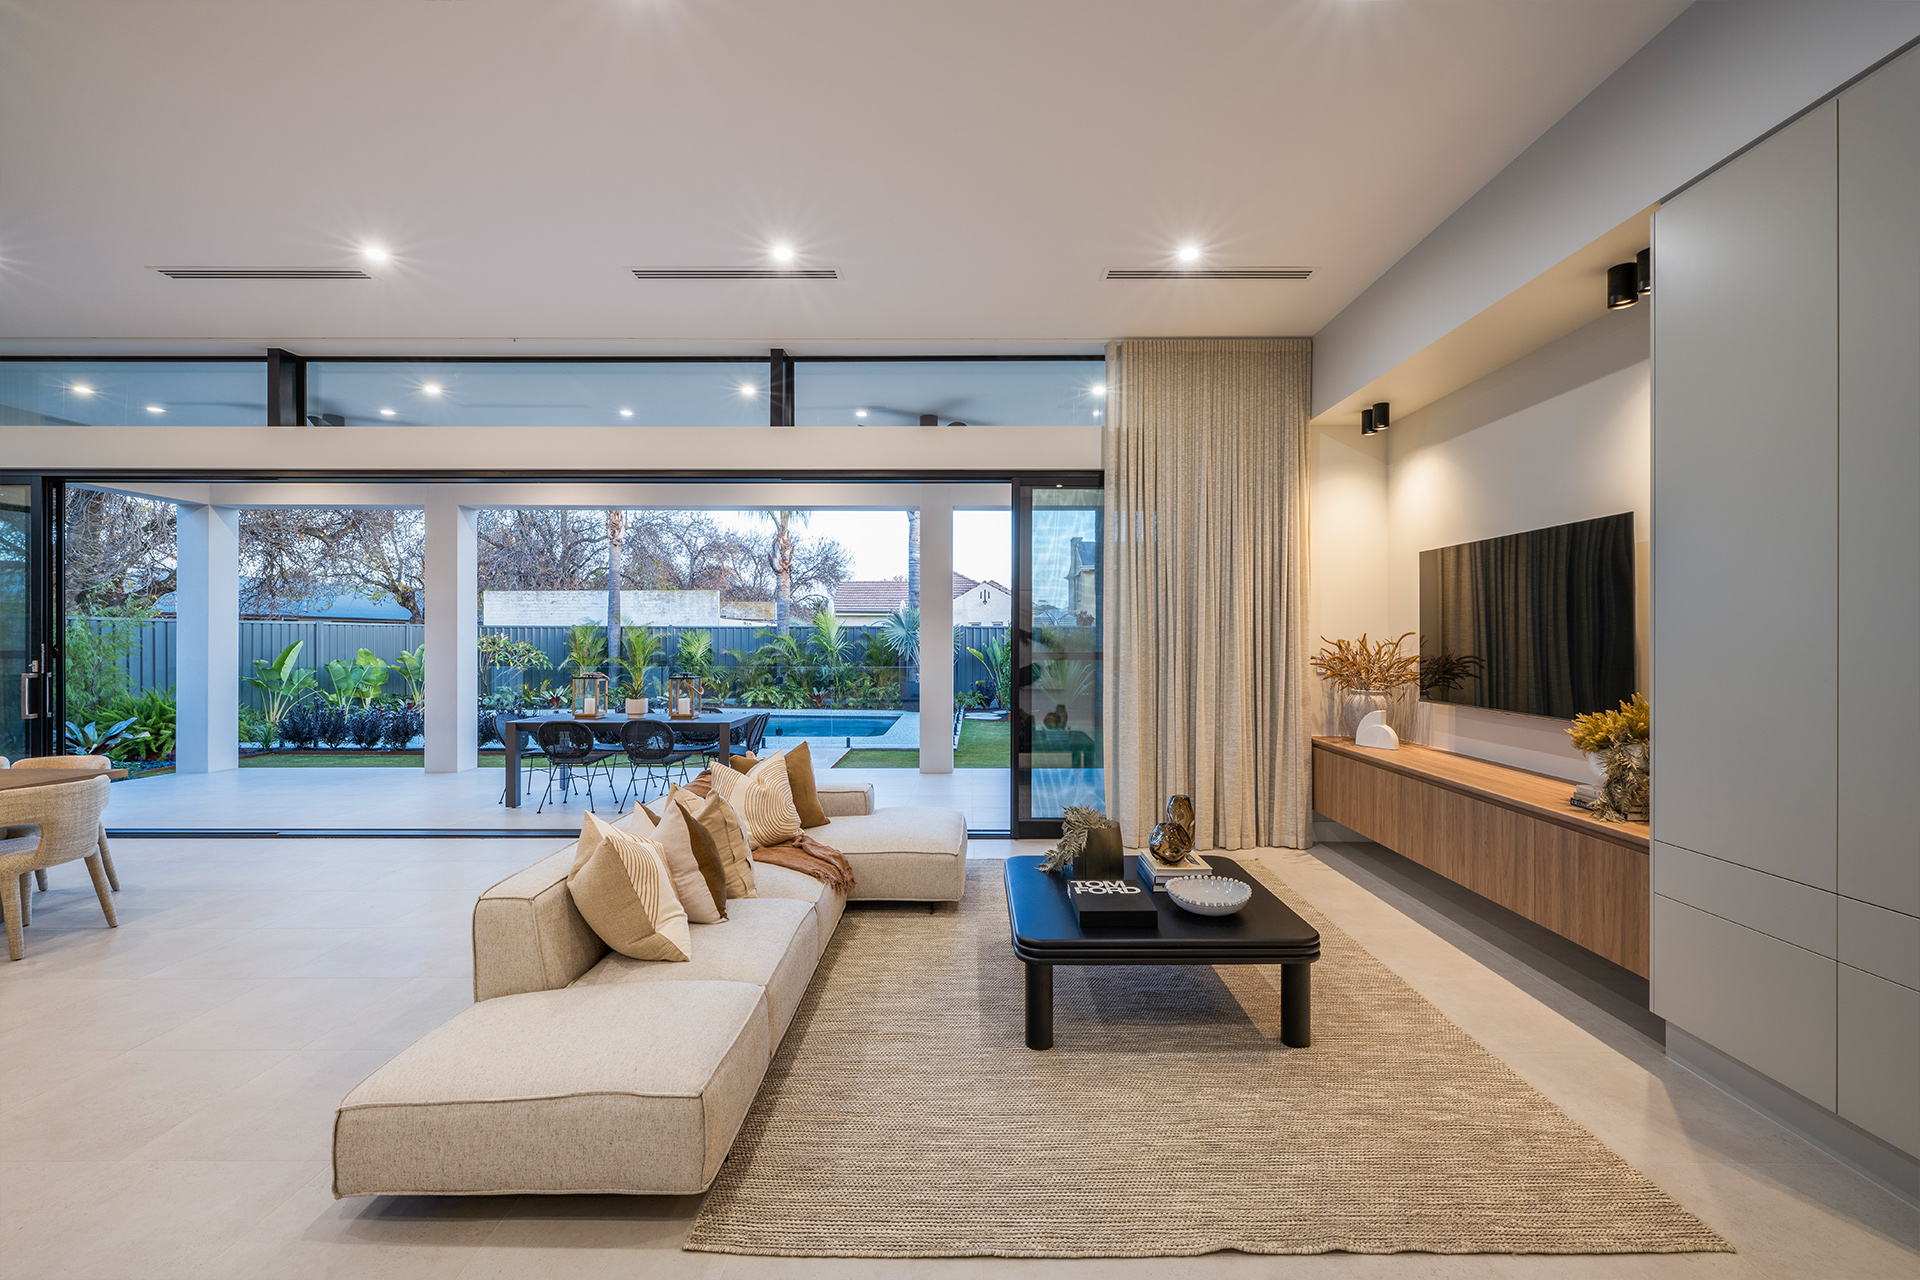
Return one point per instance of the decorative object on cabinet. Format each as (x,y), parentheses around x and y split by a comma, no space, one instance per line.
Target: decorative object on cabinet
(1622,742)
(1366,672)
(1075,821)
(1172,840)
(1374,731)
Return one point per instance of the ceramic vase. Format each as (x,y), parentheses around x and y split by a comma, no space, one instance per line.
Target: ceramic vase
(1361,702)
(1102,857)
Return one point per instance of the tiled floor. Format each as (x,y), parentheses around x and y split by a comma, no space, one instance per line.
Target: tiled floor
(412,799)
(166,1089)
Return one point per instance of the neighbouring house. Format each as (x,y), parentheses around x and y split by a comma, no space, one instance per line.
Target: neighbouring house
(571,608)
(975,603)
(1083,576)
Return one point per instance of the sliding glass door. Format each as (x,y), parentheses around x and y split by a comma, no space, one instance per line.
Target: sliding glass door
(29,695)
(1059,743)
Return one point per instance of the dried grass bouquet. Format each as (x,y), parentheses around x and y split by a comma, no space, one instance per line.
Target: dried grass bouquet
(1365,664)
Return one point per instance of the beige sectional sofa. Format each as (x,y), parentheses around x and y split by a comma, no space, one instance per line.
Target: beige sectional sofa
(582,1070)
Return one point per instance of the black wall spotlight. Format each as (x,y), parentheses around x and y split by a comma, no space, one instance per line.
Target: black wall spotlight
(1645,263)
(1623,286)
(1374,419)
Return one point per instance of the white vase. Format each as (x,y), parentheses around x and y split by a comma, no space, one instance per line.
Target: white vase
(1597,762)
(1360,702)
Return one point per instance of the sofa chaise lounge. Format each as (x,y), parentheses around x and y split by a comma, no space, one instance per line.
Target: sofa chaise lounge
(582,1070)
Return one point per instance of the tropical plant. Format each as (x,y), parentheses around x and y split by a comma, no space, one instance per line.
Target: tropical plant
(899,632)
(153,712)
(1366,664)
(91,740)
(402,727)
(1064,680)
(503,653)
(333,725)
(997,658)
(586,647)
(254,728)
(831,645)
(642,652)
(488,725)
(300,726)
(1598,730)
(282,682)
(366,726)
(95,656)
(413,670)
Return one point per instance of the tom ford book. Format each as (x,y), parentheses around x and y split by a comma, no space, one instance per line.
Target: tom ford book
(1112,904)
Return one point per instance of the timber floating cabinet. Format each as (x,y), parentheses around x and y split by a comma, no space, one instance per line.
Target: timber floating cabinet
(1508,835)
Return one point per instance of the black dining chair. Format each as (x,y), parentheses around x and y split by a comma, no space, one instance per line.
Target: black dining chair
(752,735)
(650,749)
(569,746)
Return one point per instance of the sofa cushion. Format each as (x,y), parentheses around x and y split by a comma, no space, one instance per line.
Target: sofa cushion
(636,1089)
(770,942)
(912,854)
(623,889)
(764,798)
(722,824)
(699,881)
(806,793)
(784,882)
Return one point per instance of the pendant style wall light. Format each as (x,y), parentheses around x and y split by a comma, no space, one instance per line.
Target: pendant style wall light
(1623,286)
(1375,419)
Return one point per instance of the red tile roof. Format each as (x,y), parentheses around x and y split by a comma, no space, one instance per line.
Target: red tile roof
(886,596)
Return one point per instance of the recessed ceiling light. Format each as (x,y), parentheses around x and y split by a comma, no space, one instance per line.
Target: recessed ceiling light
(81,389)
(626,413)
(1098,391)
(1189,253)
(859,413)
(154,408)
(386,413)
(431,388)
(373,253)
(747,388)
(783,253)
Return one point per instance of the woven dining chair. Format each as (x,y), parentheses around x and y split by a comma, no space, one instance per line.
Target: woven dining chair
(43,827)
(650,747)
(569,745)
(91,764)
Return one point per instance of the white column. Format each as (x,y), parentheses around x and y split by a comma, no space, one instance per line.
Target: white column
(207,674)
(936,629)
(453,635)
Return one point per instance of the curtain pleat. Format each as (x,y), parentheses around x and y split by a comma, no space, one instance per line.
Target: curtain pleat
(1206,690)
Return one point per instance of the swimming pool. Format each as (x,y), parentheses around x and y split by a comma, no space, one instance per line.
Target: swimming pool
(823,725)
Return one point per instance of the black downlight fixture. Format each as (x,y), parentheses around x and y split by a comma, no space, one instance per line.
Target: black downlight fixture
(1375,419)
(1645,263)
(1623,286)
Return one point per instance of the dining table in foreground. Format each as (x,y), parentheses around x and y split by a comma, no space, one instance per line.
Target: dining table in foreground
(709,726)
(14,779)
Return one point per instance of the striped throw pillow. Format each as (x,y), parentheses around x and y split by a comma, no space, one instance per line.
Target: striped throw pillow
(764,799)
(623,891)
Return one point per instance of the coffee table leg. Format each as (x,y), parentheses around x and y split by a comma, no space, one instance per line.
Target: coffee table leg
(1296,1005)
(1040,1006)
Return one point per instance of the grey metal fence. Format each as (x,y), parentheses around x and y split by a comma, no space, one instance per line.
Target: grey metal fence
(152,662)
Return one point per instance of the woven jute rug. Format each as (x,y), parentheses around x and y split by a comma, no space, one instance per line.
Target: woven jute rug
(904,1116)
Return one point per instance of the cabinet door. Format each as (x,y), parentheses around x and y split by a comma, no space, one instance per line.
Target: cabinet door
(1880,1057)
(1880,484)
(1744,471)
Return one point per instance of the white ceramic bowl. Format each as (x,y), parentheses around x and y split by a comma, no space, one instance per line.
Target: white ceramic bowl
(1209,895)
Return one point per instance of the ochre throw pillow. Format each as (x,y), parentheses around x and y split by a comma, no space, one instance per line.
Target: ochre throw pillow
(806,794)
(624,893)
(764,799)
(743,764)
(700,885)
(716,819)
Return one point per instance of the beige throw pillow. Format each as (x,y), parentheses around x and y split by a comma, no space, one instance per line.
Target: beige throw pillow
(764,799)
(624,893)
(717,819)
(700,882)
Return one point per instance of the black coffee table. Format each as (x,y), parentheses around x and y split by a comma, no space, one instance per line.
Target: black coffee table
(1265,931)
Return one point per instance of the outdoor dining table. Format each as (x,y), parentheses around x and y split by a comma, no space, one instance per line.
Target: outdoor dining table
(717,726)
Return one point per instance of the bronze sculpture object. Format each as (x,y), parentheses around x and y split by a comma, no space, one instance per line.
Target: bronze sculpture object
(1172,840)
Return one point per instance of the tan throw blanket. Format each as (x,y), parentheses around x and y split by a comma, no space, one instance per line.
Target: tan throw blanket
(805,855)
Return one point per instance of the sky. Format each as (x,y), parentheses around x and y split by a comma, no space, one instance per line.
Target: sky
(982,540)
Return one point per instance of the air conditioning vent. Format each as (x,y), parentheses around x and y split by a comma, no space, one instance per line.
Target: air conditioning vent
(262,273)
(1209,273)
(735,273)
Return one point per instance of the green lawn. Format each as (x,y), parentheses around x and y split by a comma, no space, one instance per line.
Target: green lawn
(983,745)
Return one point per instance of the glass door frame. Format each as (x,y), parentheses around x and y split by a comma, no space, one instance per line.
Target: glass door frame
(45,689)
(1021,631)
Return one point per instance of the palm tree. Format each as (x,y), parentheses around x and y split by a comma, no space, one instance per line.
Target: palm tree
(616,548)
(786,525)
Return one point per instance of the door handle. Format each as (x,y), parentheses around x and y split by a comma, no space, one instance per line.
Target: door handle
(27,678)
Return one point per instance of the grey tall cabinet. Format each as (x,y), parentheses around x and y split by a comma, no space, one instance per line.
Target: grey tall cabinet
(1786,607)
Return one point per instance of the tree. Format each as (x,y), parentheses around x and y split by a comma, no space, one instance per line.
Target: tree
(294,557)
(780,558)
(616,561)
(913,558)
(118,551)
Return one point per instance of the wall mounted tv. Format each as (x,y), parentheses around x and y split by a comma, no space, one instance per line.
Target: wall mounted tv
(1540,623)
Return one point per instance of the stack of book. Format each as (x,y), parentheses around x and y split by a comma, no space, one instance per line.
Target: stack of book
(1154,872)
(1112,904)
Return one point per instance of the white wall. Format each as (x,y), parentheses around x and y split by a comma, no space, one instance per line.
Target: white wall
(1559,435)
(1722,74)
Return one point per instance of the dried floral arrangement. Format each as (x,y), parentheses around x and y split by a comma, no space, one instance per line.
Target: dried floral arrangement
(1366,664)
(1075,821)
(1445,672)
(1598,730)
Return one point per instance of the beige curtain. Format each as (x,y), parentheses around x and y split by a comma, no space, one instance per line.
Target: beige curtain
(1206,690)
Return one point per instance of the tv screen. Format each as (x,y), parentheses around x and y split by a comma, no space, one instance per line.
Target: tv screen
(1540,623)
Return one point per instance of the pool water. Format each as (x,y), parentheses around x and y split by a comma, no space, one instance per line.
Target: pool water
(825,726)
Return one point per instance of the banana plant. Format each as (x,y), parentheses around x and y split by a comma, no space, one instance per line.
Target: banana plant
(373,674)
(413,669)
(282,682)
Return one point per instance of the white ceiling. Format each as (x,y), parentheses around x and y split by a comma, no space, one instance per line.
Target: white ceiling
(972,168)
